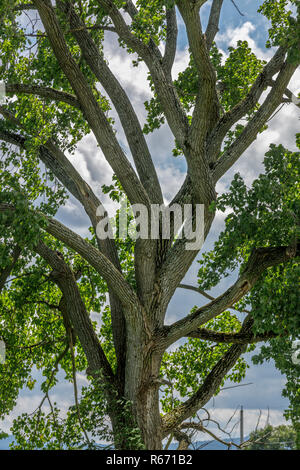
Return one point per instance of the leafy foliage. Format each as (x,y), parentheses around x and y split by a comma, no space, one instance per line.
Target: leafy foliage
(264,215)
(273,438)
(284,27)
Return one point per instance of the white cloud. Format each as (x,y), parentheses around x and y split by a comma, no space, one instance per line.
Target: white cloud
(180,63)
(242,33)
(171,179)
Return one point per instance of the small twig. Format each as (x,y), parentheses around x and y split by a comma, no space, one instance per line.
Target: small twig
(233,2)
(258,420)
(196,289)
(208,296)
(41,343)
(278,110)
(94,27)
(231,417)
(235,386)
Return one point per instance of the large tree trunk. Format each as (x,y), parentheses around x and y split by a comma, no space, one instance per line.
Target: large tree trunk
(143,360)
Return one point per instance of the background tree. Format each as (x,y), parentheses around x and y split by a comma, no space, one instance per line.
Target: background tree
(51,278)
(273,438)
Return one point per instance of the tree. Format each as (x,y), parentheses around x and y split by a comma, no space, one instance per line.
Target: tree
(59,88)
(273,438)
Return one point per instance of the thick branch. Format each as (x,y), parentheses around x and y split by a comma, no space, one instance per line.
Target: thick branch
(145,265)
(62,168)
(246,105)
(290,95)
(79,317)
(206,107)
(130,8)
(231,338)
(59,164)
(249,134)
(206,111)
(120,100)
(213,22)
(93,113)
(179,259)
(259,261)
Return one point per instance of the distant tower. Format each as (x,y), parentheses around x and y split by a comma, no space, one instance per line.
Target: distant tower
(241,426)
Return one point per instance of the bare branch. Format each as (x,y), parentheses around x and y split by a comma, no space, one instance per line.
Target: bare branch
(202,292)
(201,428)
(237,8)
(249,134)
(184,440)
(196,289)
(231,338)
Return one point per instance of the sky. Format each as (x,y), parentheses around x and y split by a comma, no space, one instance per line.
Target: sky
(266,383)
